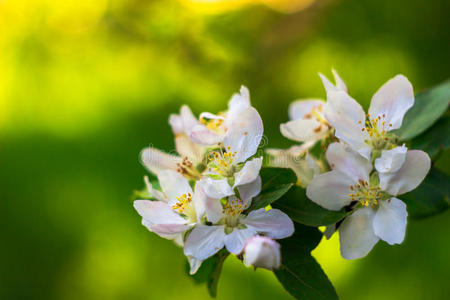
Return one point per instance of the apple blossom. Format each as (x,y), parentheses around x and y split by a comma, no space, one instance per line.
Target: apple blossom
(376,213)
(369,134)
(262,252)
(229,226)
(176,209)
(308,123)
(211,129)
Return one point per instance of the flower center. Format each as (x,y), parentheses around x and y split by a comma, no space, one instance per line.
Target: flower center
(215,124)
(222,162)
(317,113)
(186,168)
(232,210)
(183,202)
(378,130)
(366,194)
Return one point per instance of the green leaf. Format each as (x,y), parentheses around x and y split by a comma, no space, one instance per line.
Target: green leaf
(275,183)
(428,107)
(300,209)
(435,139)
(299,272)
(209,271)
(431,197)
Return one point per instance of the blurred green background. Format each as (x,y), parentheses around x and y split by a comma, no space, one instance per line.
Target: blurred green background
(85,85)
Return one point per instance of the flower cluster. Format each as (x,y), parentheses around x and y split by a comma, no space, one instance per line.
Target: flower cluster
(368,167)
(206,192)
(201,197)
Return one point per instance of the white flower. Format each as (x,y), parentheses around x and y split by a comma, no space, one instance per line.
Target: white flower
(228,166)
(231,228)
(212,128)
(298,159)
(176,209)
(262,252)
(191,154)
(386,112)
(308,123)
(377,214)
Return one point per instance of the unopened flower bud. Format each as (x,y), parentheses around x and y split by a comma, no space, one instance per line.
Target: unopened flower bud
(262,252)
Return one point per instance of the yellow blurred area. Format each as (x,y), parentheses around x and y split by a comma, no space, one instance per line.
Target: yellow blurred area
(221,6)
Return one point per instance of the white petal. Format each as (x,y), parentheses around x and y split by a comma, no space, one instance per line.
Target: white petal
(330,190)
(187,148)
(391,160)
(173,185)
(194,265)
(188,118)
(169,230)
(201,135)
(348,118)
(356,234)
(237,104)
(303,130)
(393,100)
(329,87)
(250,190)
(235,241)
(409,176)
(301,108)
(249,172)
(157,212)
(154,193)
(204,241)
(342,158)
(208,115)
(199,200)
(244,134)
(389,222)
(216,189)
(155,160)
(274,223)
(340,84)
(176,123)
(262,252)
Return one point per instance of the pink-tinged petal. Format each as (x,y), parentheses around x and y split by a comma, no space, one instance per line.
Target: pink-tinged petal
(157,212)
(273,223)
(331,190)
(391,160)
(356,234)
(389,223)
(235,241)
(250,190)
(194,265)
(187,148)
(201,135)
(304,130)
(154,193)
(173,185)
(409,176)
(262,252)
(204,241)
(299,109)
(155,160)
(169,230)
(342,158)
(392,100)
(175,233)
(244,134)
(216,189)
(249,172)
(348,118)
